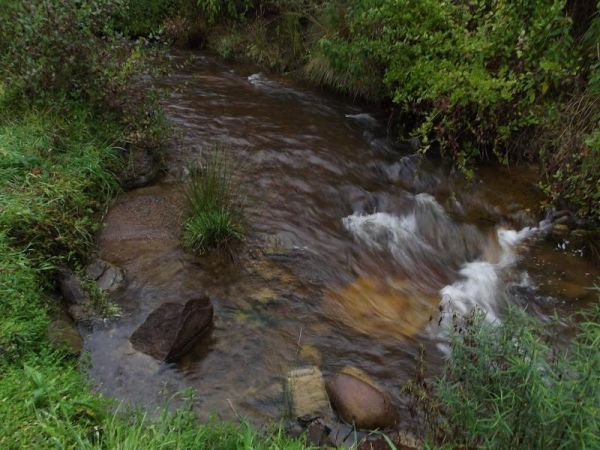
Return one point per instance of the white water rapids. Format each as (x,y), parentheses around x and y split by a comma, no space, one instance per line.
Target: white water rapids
(427,242)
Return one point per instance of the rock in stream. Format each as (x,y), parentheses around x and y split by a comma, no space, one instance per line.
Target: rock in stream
(359,401)
(108,277)
(172,328)
(308,395)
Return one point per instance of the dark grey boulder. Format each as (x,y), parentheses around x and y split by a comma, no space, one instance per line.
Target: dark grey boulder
(108,277)
(71,288)
(172,328)
(143,167)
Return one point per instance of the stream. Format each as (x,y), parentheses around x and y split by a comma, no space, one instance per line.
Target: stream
(358,250)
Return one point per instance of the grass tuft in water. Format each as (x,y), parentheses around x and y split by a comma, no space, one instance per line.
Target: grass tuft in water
(214,207)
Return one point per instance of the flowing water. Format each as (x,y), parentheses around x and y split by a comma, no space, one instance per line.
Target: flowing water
(358,250)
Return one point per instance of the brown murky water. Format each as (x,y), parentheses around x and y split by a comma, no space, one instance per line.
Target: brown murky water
(354,247)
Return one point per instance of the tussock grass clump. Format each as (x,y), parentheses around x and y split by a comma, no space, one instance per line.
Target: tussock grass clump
(214,207)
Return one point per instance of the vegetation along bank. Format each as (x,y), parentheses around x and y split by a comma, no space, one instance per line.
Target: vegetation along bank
(477,80)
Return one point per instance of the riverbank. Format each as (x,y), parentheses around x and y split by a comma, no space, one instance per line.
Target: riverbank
(69,130)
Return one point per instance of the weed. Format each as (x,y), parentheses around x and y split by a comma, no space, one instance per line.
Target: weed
(214,207)
(511,385)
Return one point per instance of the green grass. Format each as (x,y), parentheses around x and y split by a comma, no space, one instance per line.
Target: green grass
(54,174)
(512,385)
(214,207)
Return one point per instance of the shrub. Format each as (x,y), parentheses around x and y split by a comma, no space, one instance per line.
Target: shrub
(157,20)
(61,47)
(471,74)
(214,207)
(512,385)
(570,144)
(145,17)
(57,51)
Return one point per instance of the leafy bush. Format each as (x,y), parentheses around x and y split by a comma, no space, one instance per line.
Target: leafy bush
(219,9)
(570,144)
(69,50)
(512,385)
(215,212)
(62,47)
(470,74)
(145,17)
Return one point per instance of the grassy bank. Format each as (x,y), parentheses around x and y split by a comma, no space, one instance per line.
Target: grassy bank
(71,110)
(57,174)
(472,80)
(516,385)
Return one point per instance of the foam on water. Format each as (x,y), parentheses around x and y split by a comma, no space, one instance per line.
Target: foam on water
(284,91)
(364,119)
(427,234)
(393,234)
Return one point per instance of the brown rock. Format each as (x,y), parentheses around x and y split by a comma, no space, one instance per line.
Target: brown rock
(172,328)
(358,400)
(79,313)
(63,333)
(142,169)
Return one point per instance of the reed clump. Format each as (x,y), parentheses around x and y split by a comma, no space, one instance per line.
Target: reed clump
(215,210)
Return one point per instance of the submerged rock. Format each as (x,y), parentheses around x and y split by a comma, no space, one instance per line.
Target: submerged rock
(359,401)
(307,393)
(63,333)
(311,354)
(108,277)
(172,328)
